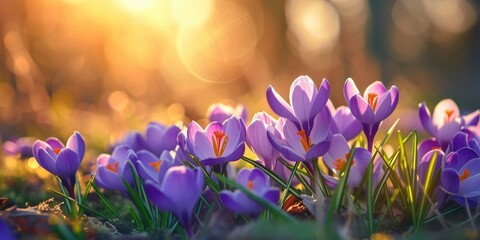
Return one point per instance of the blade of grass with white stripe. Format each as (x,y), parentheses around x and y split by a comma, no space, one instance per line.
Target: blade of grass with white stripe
(427,189)
(289,183)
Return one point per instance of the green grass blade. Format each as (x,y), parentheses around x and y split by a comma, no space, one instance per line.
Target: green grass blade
(104,201)
(289,183)
(427,189)
(80,204)
(208,179)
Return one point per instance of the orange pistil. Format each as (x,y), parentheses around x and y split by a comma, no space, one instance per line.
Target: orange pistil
(113,168)
(156,165)
(219,142)
(340,164)
(57,150)
(250,185)
(465,175)
(372,100)
(305,141)
(448,115)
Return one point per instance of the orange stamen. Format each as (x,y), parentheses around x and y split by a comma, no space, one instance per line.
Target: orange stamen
(250,185)
(219,145)
(372,100)
(57,150)
(465,175)
(156,165)
(347,156)
(303,138)
(339,164)
(113,168)
(448,115)
(436,148)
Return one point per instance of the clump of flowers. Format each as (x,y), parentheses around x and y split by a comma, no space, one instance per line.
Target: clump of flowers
(312,161)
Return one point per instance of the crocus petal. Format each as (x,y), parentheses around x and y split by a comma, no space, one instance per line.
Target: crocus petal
(472,165)
(54,143)
(361,109)
(376,87)
(229,201)
(469,184)
(292,136)
(301,96)
(160,138)
(321,126)
(279,105)
(67,162)
(259,180)
(446,133)
(37,145)
(176,181)
(386,104)
(439,113)
(192,130)
(471,119)
(426,119)
(349,90)
(465,155)
(235,130)
(450,181)
(243,176)
(345,123)
(77,144)
(120,152)
(203,147)
(272,195)
(426,146)
(213,127)
(321,98)
(110,180)
(459,141)
(46,161)
(339,147)
(159,198)
(317,150)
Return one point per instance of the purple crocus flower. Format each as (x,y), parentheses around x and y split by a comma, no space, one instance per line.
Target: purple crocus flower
(461,171)
(376,104)
(59,160)
(256,181)
(257,139)
(153,168)
(305,99)
(178,193)
(158,138)
(444,123)
(6,231)
(336,159)
(297,145)
(344,122)
(220,112)
(112,168)
(218,143)
(21,147)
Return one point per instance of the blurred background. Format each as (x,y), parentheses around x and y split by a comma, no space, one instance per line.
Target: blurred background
(104,67)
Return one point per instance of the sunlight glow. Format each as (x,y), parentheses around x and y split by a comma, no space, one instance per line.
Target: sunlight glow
(191,13)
